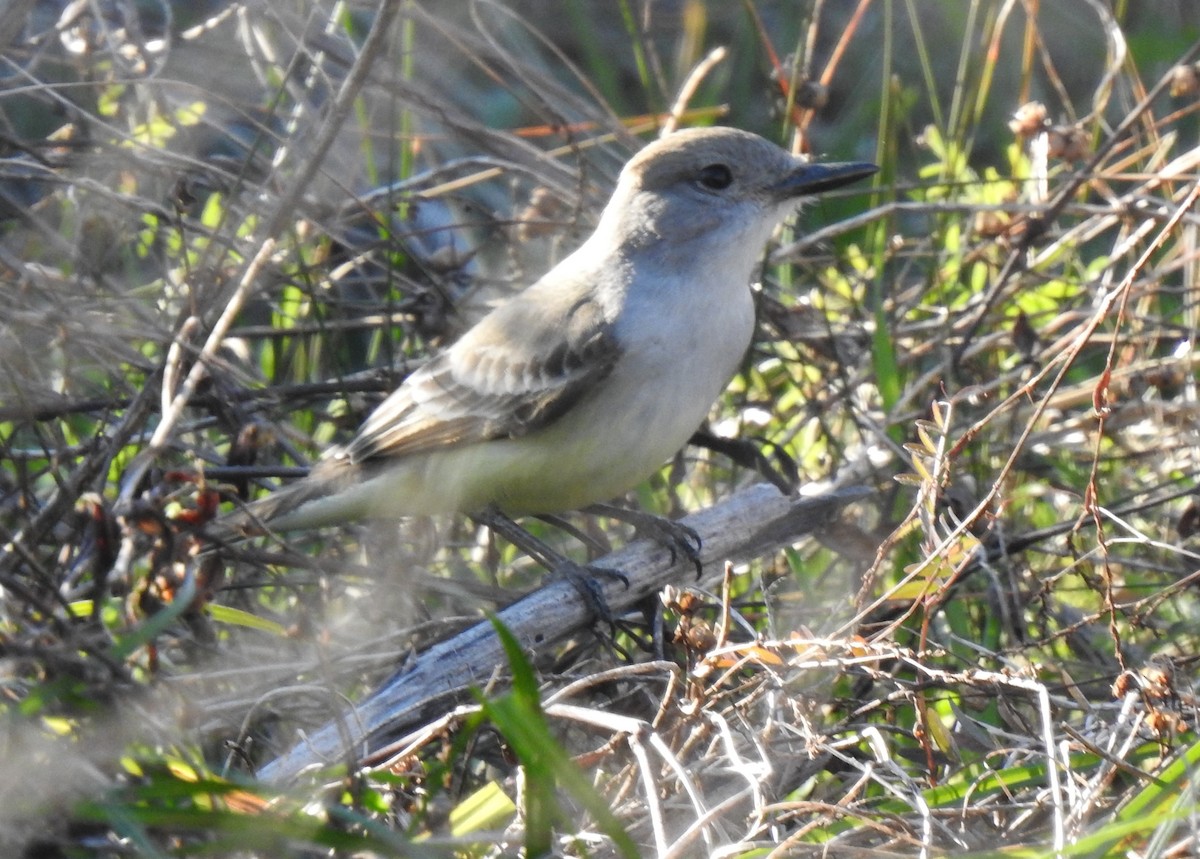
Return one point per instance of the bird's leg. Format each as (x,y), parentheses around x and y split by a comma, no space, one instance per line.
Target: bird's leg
(776,466)
(677,537)
(594,545)
(650,606)
(583,578)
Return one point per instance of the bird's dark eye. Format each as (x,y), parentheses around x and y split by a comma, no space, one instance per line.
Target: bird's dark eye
(715,177)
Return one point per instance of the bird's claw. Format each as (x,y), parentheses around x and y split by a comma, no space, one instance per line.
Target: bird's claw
(586,581)
(678,538)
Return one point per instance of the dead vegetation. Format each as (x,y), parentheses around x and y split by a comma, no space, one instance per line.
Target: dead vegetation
(224,237)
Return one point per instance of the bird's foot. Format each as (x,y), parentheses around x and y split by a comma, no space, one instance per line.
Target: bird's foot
(678,538)
(588,583)
(587,580)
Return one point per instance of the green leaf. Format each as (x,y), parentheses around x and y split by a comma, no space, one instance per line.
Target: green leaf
(519,717)
(238,617)
(487,808)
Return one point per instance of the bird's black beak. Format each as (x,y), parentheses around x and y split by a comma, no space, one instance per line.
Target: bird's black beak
(815,178)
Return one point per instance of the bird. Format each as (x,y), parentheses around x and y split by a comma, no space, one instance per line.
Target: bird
(582,385)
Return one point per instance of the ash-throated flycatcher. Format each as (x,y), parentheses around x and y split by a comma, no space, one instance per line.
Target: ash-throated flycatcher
(576,389)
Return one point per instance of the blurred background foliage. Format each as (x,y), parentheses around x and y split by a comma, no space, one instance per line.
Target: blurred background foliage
(998,648)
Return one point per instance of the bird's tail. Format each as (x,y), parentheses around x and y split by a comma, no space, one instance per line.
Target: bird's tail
(308,503)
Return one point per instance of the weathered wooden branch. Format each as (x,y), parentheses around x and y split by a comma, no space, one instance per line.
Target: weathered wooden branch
(754,522)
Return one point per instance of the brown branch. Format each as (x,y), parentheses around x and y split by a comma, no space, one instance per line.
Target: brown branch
(752,523)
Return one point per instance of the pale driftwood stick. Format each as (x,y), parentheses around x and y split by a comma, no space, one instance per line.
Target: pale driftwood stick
(751,523)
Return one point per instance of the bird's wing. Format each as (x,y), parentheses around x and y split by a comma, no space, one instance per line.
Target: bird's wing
(520,368)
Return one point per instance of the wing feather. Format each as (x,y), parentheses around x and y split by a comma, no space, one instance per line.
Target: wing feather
(521,368)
